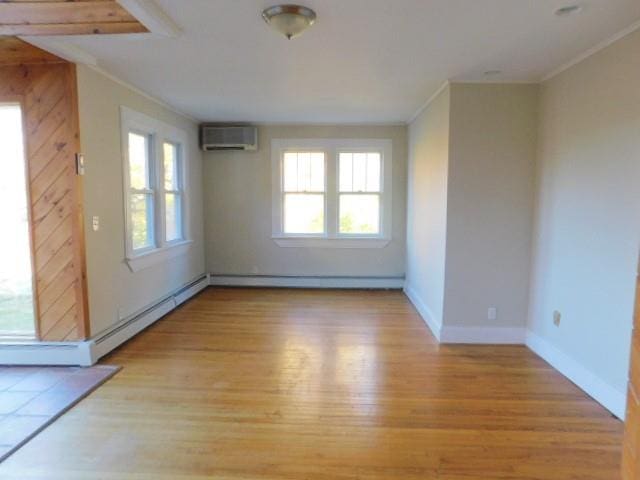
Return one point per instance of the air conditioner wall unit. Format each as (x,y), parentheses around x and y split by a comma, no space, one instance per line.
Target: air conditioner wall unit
(223,137)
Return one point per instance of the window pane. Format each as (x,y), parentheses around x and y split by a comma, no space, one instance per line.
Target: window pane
(171,179)
(173,216)
(303,213)
(290,170)
(142,220)
(373,172)
(360,172)
(346,172)
(360,214)
(303,172)
(317,172)
(138,161)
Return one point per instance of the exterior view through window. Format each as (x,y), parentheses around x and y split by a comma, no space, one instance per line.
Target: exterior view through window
(142,193)
(17,316)
(304,188)
(359,202)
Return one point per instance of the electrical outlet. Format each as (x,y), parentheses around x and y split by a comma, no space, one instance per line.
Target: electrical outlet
(96,223)
(492,313)
(557,316)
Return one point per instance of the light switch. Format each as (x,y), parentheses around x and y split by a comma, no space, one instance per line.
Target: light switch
(96,223)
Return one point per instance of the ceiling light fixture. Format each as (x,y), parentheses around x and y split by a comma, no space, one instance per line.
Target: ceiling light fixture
(568,10)
(290,20)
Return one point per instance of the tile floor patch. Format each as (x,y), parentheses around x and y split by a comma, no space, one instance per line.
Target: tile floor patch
(33,397)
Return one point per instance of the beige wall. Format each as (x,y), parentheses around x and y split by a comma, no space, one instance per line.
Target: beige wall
(114,291)
(428,172)
(587,228)
(490,204)
(238,203)
(471,168)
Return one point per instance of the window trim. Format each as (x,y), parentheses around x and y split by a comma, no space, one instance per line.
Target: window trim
(332,238)
(158,133)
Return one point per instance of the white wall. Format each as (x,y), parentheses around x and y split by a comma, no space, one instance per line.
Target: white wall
(427,207)
(237,206)
(114,291)
(587,228)
(490,204)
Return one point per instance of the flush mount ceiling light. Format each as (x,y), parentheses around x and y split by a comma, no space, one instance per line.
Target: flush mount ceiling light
(568,10)
(290,20)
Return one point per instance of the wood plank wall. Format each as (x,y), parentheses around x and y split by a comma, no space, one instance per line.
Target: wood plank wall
(46,88)
(631,455)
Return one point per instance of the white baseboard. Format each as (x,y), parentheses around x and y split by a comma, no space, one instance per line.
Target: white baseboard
(88,352)
(609,397)
(306,282)
(424,311)
(483,335)
(46,353)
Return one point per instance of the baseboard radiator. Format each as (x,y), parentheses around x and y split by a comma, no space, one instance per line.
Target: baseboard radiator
(88,352)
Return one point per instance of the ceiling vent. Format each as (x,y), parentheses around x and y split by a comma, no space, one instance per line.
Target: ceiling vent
(220,137)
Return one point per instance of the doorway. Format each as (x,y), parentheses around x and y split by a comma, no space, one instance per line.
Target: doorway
(17,311)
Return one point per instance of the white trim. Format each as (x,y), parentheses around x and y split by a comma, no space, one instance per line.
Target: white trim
(88,352)
(592,51)
(308,242)
(148,13)
(62,49)
(331,147)
(306,282)
(424,311)
(483,335)
(426,104)
(608,396)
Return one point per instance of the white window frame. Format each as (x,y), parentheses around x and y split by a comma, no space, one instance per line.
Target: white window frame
(331,237)
(158,133)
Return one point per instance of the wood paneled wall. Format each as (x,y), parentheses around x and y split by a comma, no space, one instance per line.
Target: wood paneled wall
(46,88)
(631,460)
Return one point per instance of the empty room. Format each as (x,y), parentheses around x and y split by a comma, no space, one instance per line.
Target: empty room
(340,239)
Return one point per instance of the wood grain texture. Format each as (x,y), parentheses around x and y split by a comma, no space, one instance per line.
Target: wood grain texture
(14,51)
(297,384)
(47,93)
(61,17)
(631,452)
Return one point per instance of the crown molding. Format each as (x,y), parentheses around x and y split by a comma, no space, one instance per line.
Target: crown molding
(426,104)
(62,49)
(592,51)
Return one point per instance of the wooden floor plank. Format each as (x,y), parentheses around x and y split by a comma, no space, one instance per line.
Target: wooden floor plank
(300,384)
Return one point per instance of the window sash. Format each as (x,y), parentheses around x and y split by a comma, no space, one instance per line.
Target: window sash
(324,214)
(176,192)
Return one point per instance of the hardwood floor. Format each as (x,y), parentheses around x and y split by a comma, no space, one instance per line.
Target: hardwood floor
(299,384)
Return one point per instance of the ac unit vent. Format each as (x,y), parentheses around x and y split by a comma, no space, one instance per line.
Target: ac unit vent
(216,137)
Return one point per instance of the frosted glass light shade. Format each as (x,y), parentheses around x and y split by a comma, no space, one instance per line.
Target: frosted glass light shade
(290,20)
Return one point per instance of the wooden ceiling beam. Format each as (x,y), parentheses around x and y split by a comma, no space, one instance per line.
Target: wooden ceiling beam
(61,17)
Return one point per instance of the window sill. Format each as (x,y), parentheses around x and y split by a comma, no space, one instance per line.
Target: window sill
(331,242)
(157,256)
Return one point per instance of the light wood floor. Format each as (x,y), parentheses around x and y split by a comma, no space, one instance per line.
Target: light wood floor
(305,385)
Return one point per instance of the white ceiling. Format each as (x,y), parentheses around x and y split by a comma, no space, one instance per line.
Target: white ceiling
(364,61)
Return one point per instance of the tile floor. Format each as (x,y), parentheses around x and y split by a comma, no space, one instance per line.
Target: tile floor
(33,397)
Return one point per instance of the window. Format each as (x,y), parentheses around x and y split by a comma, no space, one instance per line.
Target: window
(331,192)
(155,207)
